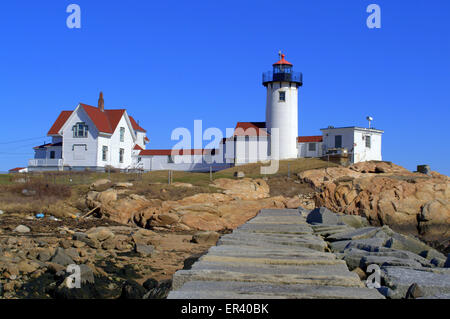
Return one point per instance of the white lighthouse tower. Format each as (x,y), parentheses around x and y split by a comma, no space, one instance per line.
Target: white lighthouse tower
(282,108)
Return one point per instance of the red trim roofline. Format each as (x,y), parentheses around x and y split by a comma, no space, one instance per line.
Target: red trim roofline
(310,139)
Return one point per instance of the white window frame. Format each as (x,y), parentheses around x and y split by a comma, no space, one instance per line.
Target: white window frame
(122,134)
(104,153)
(121,154)
(80,130)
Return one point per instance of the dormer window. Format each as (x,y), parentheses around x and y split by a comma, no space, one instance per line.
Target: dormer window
(80,130)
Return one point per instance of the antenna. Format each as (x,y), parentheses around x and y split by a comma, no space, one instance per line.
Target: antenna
(279,53)
(370,119)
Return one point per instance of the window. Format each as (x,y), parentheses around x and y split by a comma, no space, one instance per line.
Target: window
(282,96)
(338,141)
(104,153)
(121,152)
(122,134)
(52,154)
(80,130)
(139,159)
(170,159)
(367,141)
(312,147)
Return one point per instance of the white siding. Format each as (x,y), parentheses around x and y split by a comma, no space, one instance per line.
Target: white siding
(303,149)
(190,163)
(284,116)
(114,145)
(352,140)
(250,150)
(69,142)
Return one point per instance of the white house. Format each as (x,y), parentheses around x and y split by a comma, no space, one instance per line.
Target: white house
(362,144)
(90,138)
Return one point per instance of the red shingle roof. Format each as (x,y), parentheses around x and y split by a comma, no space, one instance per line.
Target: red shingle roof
(176,152)
(309,139)
(17,169)
(105,122)
(250,129)
(137,148)
(135,125)
(62,118)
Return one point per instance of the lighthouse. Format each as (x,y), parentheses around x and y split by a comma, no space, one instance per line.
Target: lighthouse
(282,85)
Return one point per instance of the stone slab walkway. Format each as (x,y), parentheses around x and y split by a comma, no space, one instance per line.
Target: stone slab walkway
(274,255)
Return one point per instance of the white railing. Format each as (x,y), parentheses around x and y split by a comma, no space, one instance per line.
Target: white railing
(46,162)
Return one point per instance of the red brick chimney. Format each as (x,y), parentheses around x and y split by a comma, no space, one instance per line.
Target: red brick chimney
(101,102)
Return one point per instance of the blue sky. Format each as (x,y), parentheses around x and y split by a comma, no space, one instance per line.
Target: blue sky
(170,63)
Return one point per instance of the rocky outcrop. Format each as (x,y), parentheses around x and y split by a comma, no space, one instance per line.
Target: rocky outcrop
(387,194)
(407,265)
(239,202)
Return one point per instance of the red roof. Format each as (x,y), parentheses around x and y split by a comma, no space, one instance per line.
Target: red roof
(48,145)
(176,152)
(250,129)
(17,169)
(105,122)
(309,139)
(135,125)
(282,61)
(137,148)
(62,118)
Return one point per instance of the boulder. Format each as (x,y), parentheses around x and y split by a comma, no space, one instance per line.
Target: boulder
(432,281)
(208,237)
(322,215)
(294,202)
(402,242)
(354,221)
(246,188)
(61,258)
(99,233)
(414,292)
(22,229)
(100,182)
(360,233)
(132,290)
(44,255)
(27,267)
(144,250)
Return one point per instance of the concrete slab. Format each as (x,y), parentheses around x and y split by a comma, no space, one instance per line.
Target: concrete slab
(256,290)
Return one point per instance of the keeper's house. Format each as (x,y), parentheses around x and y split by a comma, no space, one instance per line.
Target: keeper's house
(90,138)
